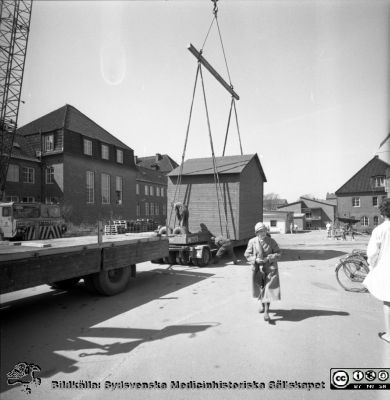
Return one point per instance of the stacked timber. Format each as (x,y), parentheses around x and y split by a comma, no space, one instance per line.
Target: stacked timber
(240,203)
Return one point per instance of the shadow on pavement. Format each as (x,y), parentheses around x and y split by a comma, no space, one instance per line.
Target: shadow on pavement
(36,328)
(312,254)
(296,315)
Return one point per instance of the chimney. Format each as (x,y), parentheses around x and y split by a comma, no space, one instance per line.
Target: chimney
(158,157)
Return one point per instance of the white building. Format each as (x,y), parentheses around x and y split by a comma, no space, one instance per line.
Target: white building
(278,221)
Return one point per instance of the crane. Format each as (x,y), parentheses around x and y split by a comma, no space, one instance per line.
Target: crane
(15,17)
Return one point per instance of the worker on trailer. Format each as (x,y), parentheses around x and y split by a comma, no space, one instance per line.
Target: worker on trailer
(224,246)
(182,215)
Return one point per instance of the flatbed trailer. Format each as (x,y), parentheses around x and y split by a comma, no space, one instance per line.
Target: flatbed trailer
(193,248)
(105,266)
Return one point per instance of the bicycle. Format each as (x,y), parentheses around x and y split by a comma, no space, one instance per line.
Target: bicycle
(352,270)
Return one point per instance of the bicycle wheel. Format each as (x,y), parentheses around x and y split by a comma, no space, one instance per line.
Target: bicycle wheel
(350,274)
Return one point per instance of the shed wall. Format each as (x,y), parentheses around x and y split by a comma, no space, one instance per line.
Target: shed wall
(251,199)
(199,193)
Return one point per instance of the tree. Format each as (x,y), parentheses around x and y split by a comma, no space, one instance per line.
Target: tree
(271,201)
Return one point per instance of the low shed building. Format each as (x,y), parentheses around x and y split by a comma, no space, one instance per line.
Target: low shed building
(241,181)
(278,221)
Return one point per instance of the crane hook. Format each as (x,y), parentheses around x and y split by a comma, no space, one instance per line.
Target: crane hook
(215,9)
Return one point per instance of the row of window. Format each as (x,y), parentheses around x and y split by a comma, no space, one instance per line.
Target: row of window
(151,190)
(105,188)
(365,221)
(375,201)
(151,209)
(104,151)
(28,174)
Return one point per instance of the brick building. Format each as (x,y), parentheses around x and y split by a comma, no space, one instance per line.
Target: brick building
(66,158)
(151,189)
(360,196)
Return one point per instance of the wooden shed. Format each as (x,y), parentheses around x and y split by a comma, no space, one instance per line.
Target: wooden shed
(241,194)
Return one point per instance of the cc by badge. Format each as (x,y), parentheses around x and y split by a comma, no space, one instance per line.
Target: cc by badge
(340,378)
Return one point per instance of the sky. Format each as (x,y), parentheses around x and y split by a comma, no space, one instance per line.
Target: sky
(313,79)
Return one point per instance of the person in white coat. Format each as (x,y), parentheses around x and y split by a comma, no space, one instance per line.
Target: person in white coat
(378,255)
(263,252)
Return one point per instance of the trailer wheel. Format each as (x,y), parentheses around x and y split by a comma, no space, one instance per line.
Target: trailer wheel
(112,281)
(65,284)
(205,259)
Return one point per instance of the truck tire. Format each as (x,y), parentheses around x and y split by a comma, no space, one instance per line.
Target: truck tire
(65,284)
(112,281)
(205,259)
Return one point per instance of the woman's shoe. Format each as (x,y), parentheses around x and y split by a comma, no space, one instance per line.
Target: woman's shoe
(266,317)
(261,309)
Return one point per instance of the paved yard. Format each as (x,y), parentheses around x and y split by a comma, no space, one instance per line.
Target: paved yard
(189,326)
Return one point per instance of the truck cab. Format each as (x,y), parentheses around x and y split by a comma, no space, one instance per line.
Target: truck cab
(7,222)
(17,218)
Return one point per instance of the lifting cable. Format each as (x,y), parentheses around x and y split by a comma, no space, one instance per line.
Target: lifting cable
(232,105)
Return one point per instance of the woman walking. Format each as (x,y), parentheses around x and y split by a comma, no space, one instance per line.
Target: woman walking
(263,252)
(378,254)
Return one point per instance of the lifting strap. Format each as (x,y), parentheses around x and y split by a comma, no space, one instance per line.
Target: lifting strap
(218,188)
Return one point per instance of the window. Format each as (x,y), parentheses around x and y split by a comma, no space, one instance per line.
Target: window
(146,190)
(376,220)
(28,175)
(151,208)
(106,189)
(88,147)
(355,201)
(48,143)
(15,199)
(156,209)
(164,209)
(152,190)
(273,223)
(90,186)
(50,175)
(28,199)
(13,173)
(375,201)
(51,200)
(157,191)
(379,181)
(138,210)
(162,192)
(146,208)
(119,156)
(105,154)
(308,215)
(118,189)
(364,221)
(137,188)
(6,211)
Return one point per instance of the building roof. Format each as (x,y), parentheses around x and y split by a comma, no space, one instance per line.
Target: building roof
(161,162)
(225,165)
(150,175)
(70,118)
(361,181)
(327,203)
(22,149)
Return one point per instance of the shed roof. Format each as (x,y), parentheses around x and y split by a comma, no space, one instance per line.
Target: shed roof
(361,181)
(70,118)
(225,165)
